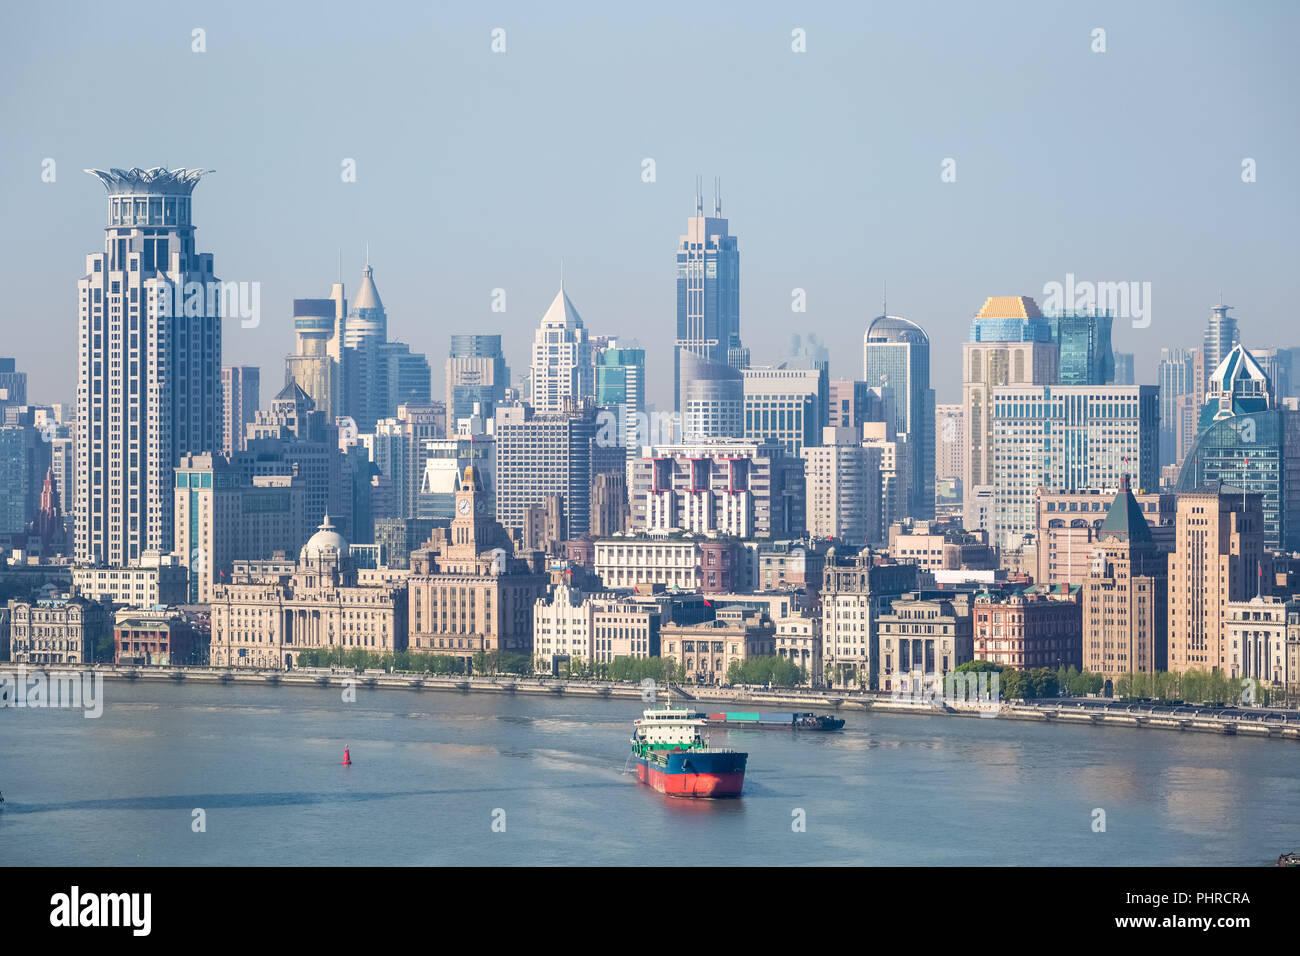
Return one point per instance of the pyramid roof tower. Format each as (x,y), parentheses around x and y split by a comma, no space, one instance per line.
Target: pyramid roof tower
(1125,518)
(561,314)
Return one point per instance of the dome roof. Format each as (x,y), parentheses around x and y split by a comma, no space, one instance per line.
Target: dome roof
(894,328)
(325,540)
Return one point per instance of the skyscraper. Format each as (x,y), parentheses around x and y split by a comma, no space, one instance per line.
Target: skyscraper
(1174,379)
(1010,344)
(896,354)
(561,370)
(240,397)
(315,370)
(788,404)
(1085,356)
(1219,337)
(345,361)
(1245,439)
(1124,371)
(842,479)
(1067,438)
(712,398)
(620,390)
(149,370)
(476,373)
(1218,551)
(708,291)
(541,454)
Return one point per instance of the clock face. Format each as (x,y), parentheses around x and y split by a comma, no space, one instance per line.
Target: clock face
(480,506)
(463,506)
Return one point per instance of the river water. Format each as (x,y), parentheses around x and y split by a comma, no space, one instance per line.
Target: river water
(451,778)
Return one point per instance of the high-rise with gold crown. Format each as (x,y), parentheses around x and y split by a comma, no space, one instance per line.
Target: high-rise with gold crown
(1010,344)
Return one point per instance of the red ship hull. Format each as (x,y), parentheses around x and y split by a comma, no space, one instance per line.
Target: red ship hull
(709,785)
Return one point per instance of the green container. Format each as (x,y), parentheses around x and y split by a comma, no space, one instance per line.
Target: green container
(742,716)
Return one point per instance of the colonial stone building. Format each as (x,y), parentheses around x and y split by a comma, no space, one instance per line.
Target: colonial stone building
(799,640)
(705,651)
(856,588)
(1260,638)
(57,631)
(269,621)
(1030,628)
(921,640)
(468,593)
(595,628)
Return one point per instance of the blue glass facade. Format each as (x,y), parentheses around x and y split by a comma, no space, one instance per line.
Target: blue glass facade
(1084,341)
(1258,453)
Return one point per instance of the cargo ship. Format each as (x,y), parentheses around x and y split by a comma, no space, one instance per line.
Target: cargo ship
(793,721)
(672,756)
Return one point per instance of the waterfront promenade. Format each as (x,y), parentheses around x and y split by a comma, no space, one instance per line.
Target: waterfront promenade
(1263,722)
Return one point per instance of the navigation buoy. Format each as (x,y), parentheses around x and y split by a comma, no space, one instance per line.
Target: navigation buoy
(347,760)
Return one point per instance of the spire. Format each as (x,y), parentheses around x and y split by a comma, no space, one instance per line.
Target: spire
(367,295)
(699,195)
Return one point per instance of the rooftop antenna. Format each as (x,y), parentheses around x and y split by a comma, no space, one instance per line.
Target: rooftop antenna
(884,305)
(340,265)
(699,195)
(367,255)
(561,273)
(717,196)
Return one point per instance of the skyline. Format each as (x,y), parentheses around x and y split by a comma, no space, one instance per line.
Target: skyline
(480,219)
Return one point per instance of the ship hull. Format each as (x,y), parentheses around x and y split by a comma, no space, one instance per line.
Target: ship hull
(694,774)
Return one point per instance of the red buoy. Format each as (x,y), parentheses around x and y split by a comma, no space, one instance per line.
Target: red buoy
(347,761)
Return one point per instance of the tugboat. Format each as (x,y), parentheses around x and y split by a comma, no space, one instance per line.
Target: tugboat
(672,756)
(793,721)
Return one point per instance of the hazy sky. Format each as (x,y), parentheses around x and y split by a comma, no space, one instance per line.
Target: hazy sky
(478,170)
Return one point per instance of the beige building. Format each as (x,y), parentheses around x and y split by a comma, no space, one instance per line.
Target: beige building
(704,652)
(1125,594)
(468,593)
(269,621)
(940,546)
(799,640)
(1217,558)
(157,579)
(842,480)
(609,506)
(895,477)
(634,562)
(58,631)
(595,628)
(919,640)
(985,366)
(1067,522)
(949,441)
(1261,637)
(855,591)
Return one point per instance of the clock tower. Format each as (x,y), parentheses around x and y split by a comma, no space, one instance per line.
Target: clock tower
(472,528)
